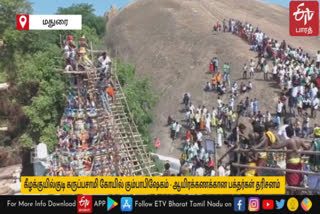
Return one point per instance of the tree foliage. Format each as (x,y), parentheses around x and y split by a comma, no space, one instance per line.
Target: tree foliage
(89,19)
(26,141)
(140,99)
(8,11)
(29,60)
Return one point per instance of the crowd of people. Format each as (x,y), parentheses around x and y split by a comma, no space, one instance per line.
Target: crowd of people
(86,146)
(243,126)
(298,76)
(199,123)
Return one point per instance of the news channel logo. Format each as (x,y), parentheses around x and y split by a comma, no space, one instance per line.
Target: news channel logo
(254,204)
(239,204)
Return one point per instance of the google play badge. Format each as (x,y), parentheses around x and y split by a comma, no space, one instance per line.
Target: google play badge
(111,204)
(306,204)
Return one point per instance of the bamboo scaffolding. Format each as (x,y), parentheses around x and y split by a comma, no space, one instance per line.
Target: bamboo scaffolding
(123,130)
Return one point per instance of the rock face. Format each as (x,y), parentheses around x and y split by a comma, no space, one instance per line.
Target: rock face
(111,13)
(171,42)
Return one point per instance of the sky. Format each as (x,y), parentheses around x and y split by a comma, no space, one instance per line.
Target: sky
(100,6)
(51,6)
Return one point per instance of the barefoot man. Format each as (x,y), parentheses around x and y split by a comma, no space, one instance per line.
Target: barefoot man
(293,158)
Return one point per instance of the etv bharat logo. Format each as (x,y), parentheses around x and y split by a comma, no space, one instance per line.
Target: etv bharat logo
(84,204)
(304,18)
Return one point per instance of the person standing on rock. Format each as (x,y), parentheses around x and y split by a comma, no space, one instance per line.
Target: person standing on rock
(157,143)
(314,107)
(245,71)
(255,106)
(283,100)
(177,131)
(216,64)
(265,70)
(224,23)
(219,136)
(208,123)
(186,99)
(173,130)
(318,60)
(279,108)
(252,65)
(226,73)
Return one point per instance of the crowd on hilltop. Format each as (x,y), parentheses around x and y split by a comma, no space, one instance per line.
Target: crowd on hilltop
(297,73)
(298,76)
(244,126)
(84,146)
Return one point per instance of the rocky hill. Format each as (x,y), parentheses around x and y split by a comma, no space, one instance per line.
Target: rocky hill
(171,41)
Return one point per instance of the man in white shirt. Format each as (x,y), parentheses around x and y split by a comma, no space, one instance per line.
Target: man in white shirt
(265,71)
(103,63)
(274,71)
(231,102)
(199,136)
(252,66)
(318,60)
(178,127)
(219,101)
(200,171)
(282,131)
(221,170)
(314,107)
(295,91)
(279,108)
(314,92)
(214,112)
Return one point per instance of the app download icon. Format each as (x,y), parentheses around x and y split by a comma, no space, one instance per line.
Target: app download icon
(239,204)
(254,204)
(111,204)
(306,204)
(126,204)
(280,204)
(292,204)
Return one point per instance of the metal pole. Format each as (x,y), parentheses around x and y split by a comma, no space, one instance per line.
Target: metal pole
(274,169)
(226,153)
(277,150)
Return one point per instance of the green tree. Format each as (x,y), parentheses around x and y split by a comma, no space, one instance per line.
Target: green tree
(8,11)
(49,137)
(88,17)
(26,141)
(29,60)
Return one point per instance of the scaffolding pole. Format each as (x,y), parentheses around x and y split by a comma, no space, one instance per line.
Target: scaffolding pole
(274,169)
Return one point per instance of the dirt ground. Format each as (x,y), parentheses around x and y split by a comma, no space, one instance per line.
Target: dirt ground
(171,42)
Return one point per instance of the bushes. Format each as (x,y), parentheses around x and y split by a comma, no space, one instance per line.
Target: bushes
(26,141)
(158,164)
